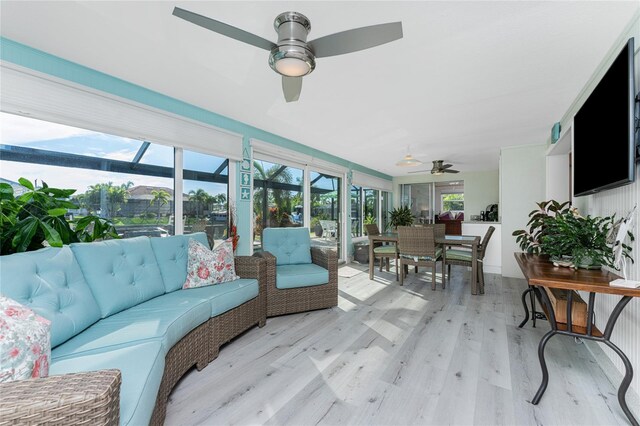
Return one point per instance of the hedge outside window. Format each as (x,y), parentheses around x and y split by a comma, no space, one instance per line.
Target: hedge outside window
(452,202)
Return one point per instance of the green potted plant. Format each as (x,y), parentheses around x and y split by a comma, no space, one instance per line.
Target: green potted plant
(400,216)
(569,238)
(37,218)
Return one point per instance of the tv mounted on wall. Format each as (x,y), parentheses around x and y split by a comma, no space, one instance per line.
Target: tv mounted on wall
(604,140)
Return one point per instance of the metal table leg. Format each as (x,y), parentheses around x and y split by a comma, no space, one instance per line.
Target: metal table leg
(526,308)
(605,338)
(534,314)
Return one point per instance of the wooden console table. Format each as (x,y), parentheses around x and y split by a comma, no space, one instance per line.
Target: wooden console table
(540,273)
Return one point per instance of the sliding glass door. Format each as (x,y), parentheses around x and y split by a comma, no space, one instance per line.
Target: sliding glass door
(325,212)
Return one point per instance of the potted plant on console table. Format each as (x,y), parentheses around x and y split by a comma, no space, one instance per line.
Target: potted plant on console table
(569,238)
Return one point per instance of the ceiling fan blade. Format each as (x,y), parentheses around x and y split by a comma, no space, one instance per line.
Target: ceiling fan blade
(291,87)
(419,171)
(446,166)
(356,39)
(449,171)
(224,29)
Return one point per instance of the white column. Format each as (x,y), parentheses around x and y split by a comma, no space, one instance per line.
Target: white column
(178,191)
(306,197)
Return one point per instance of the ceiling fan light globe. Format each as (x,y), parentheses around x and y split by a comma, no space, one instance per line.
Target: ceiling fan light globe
(408,161)
(292,61)
(292,67)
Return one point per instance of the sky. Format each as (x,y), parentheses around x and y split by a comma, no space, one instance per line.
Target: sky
(32,133)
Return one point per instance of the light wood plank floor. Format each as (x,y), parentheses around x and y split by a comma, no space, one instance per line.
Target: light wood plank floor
(391,355)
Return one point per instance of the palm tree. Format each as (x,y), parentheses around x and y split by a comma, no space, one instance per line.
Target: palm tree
(220,199)
(201,197)
(107,197)
(161,197)
(280,197)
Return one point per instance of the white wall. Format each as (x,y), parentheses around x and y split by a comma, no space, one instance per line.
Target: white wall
(480,188)
(492,262)
(619,201)
(522,184)
(557,179)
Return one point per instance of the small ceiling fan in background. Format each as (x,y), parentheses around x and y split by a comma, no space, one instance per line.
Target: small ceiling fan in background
(438,168)
(292,56)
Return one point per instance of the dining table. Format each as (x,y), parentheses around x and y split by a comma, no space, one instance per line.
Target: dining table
(471,241)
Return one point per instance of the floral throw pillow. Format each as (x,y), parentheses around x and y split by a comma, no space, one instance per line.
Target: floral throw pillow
(208,267)
(25,342)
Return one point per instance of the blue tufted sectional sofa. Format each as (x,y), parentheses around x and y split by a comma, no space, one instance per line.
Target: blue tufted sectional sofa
(119,304)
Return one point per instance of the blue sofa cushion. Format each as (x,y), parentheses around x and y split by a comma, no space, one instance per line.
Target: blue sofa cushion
(226,296)
(293,276)
(121,273)
(142,367)
(167,318)
(50,282)
(290,246)
(172,255)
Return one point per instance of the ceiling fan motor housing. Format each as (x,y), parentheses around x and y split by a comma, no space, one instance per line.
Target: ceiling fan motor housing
(292,57)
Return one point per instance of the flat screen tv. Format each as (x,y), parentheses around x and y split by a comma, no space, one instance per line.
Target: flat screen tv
(604,142)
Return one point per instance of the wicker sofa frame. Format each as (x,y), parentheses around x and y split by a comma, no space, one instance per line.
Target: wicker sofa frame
(93,398)
(302,299)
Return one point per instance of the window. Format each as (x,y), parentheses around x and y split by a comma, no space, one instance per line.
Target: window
(128,181)
(371,200)
(277,197)
(356,211)
(385,208)
(452,202)
(125,180)
(206,185)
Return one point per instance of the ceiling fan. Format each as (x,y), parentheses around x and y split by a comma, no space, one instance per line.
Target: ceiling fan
(292,56)
(439,168)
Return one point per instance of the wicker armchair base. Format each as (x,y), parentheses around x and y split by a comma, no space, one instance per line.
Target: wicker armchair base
(293,300)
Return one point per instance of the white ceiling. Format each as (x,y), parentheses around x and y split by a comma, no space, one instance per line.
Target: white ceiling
(466,79)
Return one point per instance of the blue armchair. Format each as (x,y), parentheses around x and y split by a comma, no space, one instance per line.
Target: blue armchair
(299,277)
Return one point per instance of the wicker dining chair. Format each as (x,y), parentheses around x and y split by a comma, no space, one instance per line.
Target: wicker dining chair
(417,247)
(381,251)
(462,257)
(439,233)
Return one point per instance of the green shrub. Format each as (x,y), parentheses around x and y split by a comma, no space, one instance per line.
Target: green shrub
(37,218)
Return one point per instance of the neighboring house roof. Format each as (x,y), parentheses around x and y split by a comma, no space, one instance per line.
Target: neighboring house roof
(145,192)
(17,188)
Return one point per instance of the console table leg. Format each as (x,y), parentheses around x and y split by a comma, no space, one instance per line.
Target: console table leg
(543,367)
(526,308)
(532,296)
(626,381)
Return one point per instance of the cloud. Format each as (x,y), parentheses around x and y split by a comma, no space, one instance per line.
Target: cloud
(16,129)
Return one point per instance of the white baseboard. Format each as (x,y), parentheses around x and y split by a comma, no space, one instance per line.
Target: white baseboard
(492,269)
